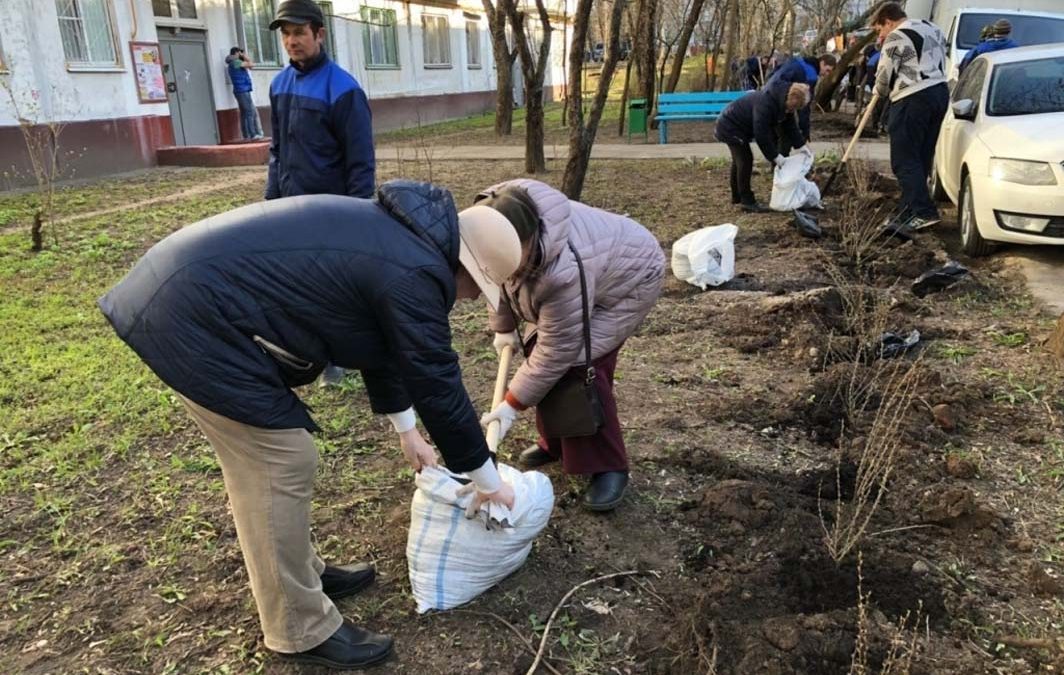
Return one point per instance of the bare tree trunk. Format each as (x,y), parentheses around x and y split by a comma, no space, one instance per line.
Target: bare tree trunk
(581,135)
(723,24)
(565,62)
(645,59)
(731,22)
(534,72)
(689,23)
(504,61)
(624,93)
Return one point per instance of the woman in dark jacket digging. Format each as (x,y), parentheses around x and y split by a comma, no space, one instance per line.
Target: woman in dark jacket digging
(757,117)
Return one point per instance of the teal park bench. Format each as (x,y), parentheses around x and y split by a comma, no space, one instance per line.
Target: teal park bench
(701,105)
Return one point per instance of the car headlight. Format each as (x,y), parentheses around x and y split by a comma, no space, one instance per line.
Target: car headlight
(1022,171)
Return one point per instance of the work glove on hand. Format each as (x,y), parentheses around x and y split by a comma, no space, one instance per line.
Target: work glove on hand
(503,339)
(418,453)
(504,496)
(505,413)
(779,161)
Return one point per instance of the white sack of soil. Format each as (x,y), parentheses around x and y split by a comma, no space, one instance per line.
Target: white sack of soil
(453,559)
(790,187)
(705,257)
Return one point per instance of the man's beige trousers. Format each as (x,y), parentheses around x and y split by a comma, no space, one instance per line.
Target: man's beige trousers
(269,475)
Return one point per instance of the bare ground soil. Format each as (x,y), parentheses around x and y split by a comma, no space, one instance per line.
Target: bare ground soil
(728,399)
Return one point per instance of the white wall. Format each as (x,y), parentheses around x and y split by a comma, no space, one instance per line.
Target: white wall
(46,88)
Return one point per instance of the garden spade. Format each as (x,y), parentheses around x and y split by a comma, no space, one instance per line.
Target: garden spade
(500,391)
(853,143)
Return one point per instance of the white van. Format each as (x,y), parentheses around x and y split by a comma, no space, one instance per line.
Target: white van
(1034,22)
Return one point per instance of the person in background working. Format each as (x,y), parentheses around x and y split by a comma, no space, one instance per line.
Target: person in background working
(238,65)
(623,269)
(322,126)
(999,38)
(757,116)
(235,310)
(911,73)
(802,70)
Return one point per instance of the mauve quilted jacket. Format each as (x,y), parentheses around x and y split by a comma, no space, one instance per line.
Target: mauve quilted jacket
(624,266)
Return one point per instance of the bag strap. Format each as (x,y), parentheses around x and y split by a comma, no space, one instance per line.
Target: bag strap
(586,316)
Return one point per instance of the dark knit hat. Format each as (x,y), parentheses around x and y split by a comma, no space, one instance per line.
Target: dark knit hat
(1002,27)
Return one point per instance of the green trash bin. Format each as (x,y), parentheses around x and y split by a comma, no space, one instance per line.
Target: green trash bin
(637,117)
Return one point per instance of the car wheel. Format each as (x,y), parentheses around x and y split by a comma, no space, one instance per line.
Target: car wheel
(934,185)
(973,242)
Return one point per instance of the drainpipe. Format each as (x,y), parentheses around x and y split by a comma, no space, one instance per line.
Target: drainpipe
(133,17)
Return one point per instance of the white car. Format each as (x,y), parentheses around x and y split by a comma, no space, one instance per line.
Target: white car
(1000,153)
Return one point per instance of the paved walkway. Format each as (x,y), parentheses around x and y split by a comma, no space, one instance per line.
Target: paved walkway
(873,150)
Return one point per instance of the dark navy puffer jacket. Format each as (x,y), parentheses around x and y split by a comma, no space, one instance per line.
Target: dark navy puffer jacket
(322,133)
(234,310)
(756,116)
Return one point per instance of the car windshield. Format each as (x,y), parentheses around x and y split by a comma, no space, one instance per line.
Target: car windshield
(1026,30)
(1027,87)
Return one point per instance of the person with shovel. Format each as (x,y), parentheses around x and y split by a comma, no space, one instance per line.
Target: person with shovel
(586,281)
(756,117)
(911,73)
(235,310)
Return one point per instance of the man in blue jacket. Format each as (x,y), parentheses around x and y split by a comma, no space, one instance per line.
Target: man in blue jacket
(998,39)
(238,65)
(235,310)
(322,129)
(802,70)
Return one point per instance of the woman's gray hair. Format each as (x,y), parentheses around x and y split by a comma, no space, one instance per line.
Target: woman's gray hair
(798,96)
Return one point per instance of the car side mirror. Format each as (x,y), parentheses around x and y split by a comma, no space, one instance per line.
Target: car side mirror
(964,109)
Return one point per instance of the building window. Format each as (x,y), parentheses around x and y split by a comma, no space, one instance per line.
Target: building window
(379,38)
(472,38)
(436,31)
(87,31)
(259,41)
(180,9)
(330,37)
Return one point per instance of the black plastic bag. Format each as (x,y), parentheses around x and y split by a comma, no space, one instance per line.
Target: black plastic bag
(807,225)
(940,279)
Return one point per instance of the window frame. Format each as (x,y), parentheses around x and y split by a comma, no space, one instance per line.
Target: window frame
(470,63)
(175,20)
(114,66)
(436,18)
(256,54)
(381,23)
(330,34)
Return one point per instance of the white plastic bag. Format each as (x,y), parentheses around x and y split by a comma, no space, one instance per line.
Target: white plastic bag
(452,559)
(790,187)
(705,257)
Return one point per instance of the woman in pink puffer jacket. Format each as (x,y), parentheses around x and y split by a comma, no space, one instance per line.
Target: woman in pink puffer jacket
(624,268)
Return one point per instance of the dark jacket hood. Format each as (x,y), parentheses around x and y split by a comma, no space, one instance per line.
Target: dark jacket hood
(427,210)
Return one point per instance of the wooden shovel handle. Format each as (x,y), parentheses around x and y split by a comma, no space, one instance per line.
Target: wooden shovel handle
(860,127)
(505,356)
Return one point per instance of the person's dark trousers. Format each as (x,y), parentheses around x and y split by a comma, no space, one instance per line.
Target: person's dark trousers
(914,125)
(249,126)
(603,451)
(742,168)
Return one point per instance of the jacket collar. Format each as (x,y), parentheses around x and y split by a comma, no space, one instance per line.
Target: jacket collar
(321,59)
(426,210)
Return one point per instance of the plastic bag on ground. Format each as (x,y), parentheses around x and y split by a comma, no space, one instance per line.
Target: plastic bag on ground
(452,559)
(790,188)
(705,257)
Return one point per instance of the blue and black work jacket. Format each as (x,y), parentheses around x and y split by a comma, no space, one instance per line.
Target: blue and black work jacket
(322,133)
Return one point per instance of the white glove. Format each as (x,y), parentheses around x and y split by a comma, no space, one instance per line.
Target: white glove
(779,161)
(503,339)
(505,413)
(806,150)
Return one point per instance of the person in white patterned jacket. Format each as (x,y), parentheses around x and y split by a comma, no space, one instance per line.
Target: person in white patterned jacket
(911,73)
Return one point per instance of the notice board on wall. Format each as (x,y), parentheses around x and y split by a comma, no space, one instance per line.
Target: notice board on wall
(148,69)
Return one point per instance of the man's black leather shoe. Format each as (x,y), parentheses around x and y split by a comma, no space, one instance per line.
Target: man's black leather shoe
(341,582)
(349,648)
(535,456)
(606,490)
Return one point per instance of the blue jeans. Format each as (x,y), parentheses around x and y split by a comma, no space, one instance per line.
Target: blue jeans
(249,116)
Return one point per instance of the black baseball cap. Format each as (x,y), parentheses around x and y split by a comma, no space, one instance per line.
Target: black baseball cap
(297,11)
